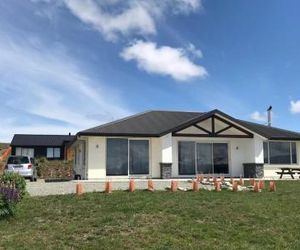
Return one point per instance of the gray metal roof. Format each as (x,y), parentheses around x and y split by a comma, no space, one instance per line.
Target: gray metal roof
(158,123)
(40,140)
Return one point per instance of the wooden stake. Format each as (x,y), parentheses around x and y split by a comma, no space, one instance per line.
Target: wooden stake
(108,187)
(173,186)
(195,185)
(150,186)
(131,185)
(79,189)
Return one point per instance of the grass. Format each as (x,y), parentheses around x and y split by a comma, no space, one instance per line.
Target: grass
(159,220)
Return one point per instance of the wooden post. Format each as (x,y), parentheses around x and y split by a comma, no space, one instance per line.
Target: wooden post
(108,187)
(131,185)
(173,186)
(252,182)
(241,182)
(272,186)
(261,184)
(234,186)
(256,189)
(217,186)
(150,186)
(79,189)
(195,185)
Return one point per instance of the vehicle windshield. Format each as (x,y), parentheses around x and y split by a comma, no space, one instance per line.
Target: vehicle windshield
(18,160)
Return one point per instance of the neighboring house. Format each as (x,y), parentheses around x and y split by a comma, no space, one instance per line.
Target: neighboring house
(53,147)
(208,143)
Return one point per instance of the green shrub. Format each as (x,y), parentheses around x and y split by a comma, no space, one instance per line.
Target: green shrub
(14,180)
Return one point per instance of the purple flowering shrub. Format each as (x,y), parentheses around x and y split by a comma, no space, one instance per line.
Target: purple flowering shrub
(12,189)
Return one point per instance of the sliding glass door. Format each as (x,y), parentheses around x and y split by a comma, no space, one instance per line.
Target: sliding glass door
(205,158)
(125,157)
(186,158)
(220,156)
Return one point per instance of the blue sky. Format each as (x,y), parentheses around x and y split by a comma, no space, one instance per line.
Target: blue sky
(67,65)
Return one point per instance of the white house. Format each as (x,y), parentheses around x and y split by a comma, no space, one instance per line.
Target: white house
(190,142)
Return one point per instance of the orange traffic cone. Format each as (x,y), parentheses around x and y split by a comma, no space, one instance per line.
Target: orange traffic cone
(79,189)
(195,185)
(256,189)
(252,182)
(272,186)
(261,184)
(217,186)
(173,186)
(234,186)
(241,182)
(150,185)
(108,187)
(131,185)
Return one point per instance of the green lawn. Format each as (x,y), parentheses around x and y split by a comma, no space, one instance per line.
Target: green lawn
(159,220)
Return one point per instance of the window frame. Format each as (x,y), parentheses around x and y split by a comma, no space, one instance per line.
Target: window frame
(53,154)
(128,156)
(290,152)
(212,155)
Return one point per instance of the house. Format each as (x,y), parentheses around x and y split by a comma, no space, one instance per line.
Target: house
(53,147)
(190,142)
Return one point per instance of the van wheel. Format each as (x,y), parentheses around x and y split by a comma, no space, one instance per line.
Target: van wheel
(32,179)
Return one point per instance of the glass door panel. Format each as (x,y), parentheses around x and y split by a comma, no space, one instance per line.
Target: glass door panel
(220,156)
(204,158)
(186,158)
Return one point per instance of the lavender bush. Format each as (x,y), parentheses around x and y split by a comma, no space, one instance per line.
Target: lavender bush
(12,189)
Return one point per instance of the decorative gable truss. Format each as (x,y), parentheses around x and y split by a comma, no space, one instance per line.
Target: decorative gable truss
(214,126)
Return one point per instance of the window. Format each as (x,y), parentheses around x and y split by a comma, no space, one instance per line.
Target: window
(139,157)
(53,152)
(280,152)
(125,156)
(186,158)
(202,158)
(25,152)
(220,156)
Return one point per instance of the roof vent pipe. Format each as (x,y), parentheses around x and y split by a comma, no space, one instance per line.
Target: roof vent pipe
(269,116)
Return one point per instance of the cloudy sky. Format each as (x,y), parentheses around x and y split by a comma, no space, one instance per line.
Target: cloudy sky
(67,65)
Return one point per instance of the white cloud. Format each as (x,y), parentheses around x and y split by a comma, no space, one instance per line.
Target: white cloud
(163,60)
(113,18)
(194,51)
(295,107)
(45,82)
(259,117)
(134,18)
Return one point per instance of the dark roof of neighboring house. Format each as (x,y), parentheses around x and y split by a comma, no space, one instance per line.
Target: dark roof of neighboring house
(40,140)
(159,123)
